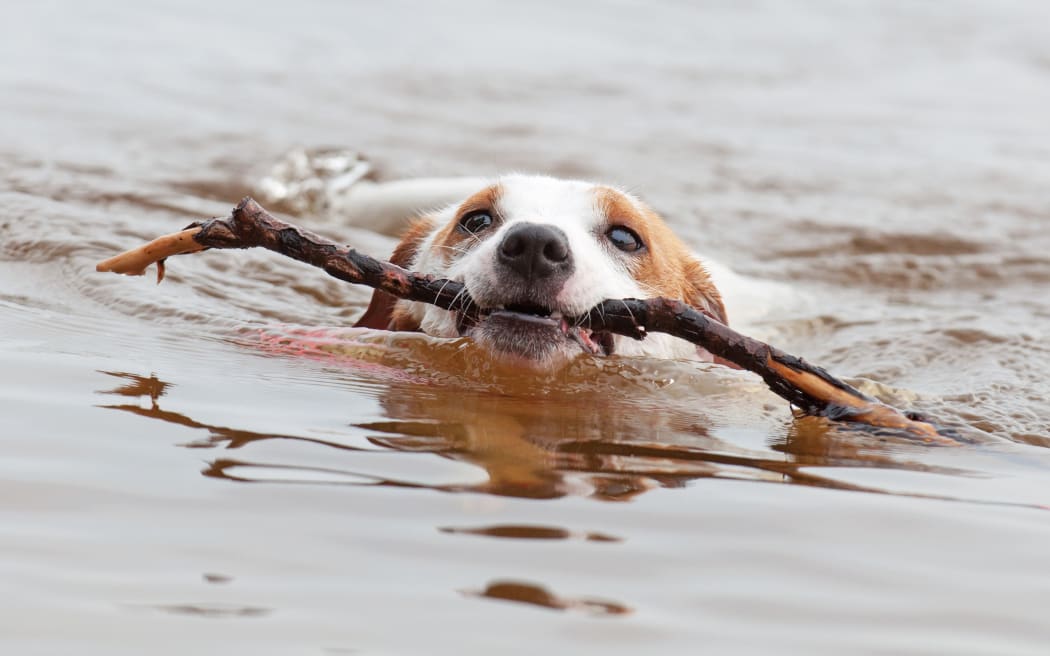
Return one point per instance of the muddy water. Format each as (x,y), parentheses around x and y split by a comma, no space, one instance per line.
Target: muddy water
(197,468)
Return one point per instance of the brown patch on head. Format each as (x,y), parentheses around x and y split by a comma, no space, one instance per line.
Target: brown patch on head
(452,242)
(665,267)
(382,313)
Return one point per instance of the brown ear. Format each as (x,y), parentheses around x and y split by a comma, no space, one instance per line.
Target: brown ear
(702,294)
(382,313)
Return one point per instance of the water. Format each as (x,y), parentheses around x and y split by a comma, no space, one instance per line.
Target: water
(195,468)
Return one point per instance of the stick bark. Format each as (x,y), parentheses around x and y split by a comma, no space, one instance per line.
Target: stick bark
(809,388)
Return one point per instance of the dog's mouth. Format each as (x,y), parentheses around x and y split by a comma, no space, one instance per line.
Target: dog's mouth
(530,330)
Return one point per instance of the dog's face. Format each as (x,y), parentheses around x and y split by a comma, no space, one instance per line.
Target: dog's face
(532,250)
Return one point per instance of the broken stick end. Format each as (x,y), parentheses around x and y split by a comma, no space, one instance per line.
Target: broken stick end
(113,265)
(134,262)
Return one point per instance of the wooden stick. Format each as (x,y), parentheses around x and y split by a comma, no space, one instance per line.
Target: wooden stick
(252,226)
(808,387)
(811,389)
(137,260)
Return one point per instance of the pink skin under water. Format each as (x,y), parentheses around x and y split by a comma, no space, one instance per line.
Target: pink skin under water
(330,345)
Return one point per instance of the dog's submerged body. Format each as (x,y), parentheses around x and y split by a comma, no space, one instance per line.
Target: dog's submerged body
(532,250)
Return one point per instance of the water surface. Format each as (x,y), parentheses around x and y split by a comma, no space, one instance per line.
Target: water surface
(195,468)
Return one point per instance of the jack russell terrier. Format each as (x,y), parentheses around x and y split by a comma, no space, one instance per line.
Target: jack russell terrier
(532,250)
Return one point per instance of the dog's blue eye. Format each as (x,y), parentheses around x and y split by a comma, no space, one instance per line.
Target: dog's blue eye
(475,222)
(625,239)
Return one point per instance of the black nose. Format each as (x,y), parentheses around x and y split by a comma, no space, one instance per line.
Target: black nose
(535,251)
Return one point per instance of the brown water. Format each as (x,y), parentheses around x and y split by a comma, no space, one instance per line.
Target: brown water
(180,476)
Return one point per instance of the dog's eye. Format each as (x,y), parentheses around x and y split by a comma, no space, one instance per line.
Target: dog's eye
(625,239)
(475,222)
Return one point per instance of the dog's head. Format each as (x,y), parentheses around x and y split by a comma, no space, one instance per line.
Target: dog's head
(532,250)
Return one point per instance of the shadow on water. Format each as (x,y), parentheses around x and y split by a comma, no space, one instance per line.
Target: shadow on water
(606,450)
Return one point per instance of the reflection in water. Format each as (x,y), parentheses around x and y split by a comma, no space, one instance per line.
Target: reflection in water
(217,579)
(527,593)
(212,611)
(231,438)
(520,532)
(139,386)
(577,444)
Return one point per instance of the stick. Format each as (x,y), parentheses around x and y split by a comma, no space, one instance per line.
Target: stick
(250,226)
(811,389)
(808,387)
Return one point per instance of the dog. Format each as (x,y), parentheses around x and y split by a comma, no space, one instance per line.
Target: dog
(533,250)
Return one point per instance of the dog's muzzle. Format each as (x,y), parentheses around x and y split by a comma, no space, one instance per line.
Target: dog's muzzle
(521,316)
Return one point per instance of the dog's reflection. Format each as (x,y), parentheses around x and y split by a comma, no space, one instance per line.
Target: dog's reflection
(576,444)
